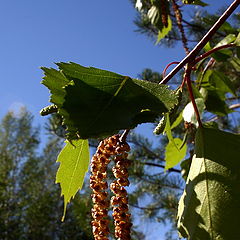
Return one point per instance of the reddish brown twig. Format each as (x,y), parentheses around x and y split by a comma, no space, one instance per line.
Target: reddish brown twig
(192,55)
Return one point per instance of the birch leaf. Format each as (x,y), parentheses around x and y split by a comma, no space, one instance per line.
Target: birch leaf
(74,162)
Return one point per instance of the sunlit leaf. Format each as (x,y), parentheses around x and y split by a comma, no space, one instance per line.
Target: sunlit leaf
(55,81)
(209,208)
(237,40)
(74,163)
(174,155)
(228,39)
(164,31)
(177,121)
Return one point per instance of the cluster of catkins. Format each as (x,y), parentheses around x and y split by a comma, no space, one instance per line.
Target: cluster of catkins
(110,148)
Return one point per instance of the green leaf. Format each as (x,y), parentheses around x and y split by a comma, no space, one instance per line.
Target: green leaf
(55,81)
(174,155)
(218,81)
(185,167)
(167,129)
(209,207)
(221,82)
(236,63)
(237,40)
(228,39)
(223,54)
(74,163)
(216,104)
(207,47)
(164,31)
(177,121)
(98,103)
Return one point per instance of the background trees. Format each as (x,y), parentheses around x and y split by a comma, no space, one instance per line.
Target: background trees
(30,204)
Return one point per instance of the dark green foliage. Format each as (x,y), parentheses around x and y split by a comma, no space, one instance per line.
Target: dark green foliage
(98,103)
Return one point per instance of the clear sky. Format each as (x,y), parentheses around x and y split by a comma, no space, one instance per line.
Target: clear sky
(91,33)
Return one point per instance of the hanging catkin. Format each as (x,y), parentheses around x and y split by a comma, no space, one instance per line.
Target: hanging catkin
(164,13)
(107,149)
(178,16)
(119,202)
(98,183)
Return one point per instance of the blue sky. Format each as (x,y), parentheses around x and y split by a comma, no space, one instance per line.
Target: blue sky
(91,33)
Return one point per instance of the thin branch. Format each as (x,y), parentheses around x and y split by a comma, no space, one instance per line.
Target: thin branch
(234,106)
(204,55)
(144,208)
(162,166)
(158,184)
(165,69)
(190,91)
(191,56)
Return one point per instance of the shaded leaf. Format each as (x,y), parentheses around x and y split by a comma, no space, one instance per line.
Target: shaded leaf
(74,163)
(217,81)
(174,155)
(99,103)
(221,82)
(185,167)
(216,104)
(209,207)
(236,63)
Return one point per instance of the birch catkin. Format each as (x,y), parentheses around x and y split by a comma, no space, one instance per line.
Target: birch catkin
(107,149)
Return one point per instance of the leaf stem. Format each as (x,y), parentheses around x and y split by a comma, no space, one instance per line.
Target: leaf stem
(191,56)
(204,55)
(166,68)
